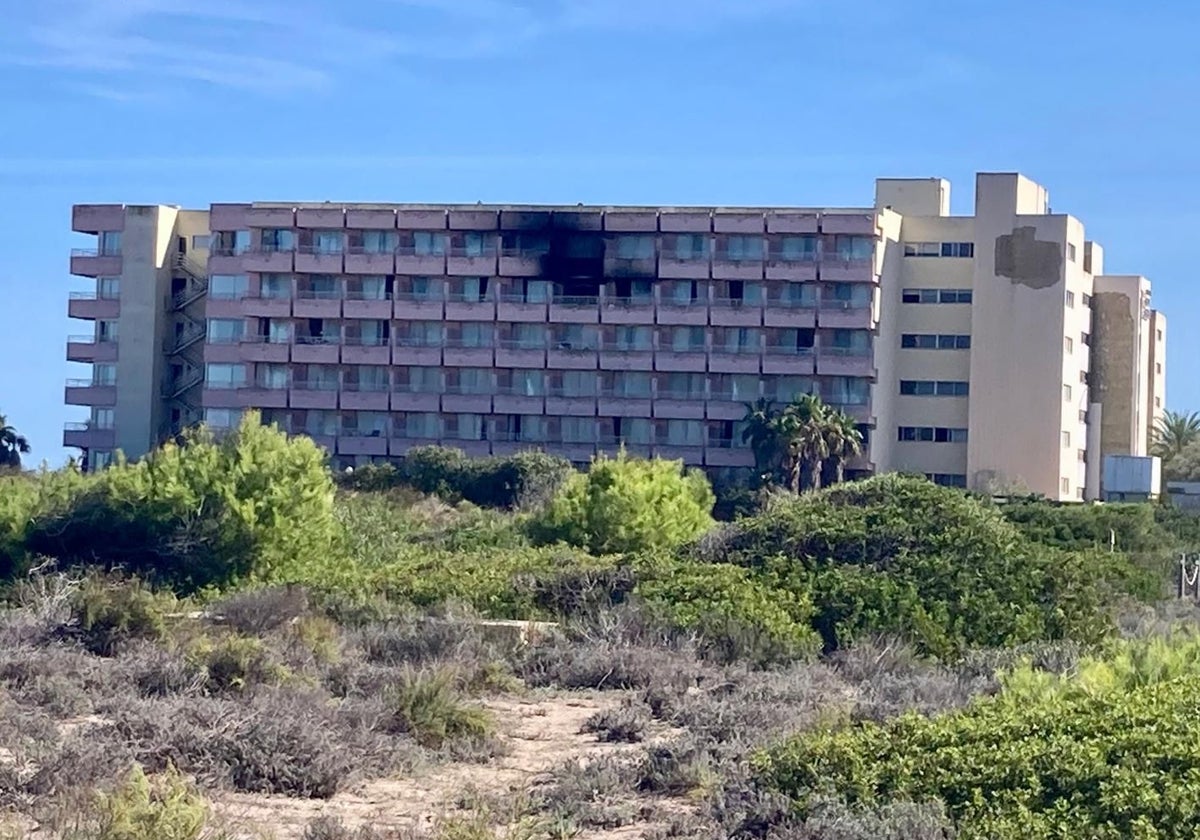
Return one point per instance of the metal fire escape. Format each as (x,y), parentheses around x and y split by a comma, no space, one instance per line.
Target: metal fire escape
(184,347)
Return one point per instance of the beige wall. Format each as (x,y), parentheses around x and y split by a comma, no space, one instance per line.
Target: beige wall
(1156,404)
(883,393)
(913,196)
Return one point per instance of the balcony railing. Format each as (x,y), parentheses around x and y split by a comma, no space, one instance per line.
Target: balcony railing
(459,389)
(319,339)
(572,393)
(95,252)
(366,341)
(91,339)
(420,341)
(738,303)
(469,344)
(520,297)
(789,350)
(420,297)
(461,252)
(462,297)
(794,303)
(737,349)
(318,294)
(624,394)
(523,344)
(846,351)
(843,305)
(322,250)
(112,295)
(361,250)
(367,387)
(267,384)
(364,433)
(315,385)
(576,301)
(682,395)
(630,302)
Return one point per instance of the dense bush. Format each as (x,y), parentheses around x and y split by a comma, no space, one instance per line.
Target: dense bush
(525,479)
(210,512)
(896,554)
(625,504)
(165,808)
(1133,528)
(1117,765)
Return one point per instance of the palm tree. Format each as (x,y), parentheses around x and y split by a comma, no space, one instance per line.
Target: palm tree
(1173,432)
(802,427)
(760,432)
(12,445)
(843,441)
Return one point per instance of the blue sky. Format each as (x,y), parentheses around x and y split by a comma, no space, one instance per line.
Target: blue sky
(616,101)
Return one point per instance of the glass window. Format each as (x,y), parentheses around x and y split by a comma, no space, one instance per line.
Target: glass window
(372,287)
(528,383)
(578,429)
(276,286)
(854,247)
(798,248)
(369,423)
(474,381)
(479,244)
(224,376)
(222,418)
(225,330)
(785,388)
(1069,343)
(578,383)
(687,339)
(576,337)
(328,242)
(106,330)
(102,418)
(110,243)
(634,338)
(922,249)
(529,336)
(684,386)
(685,433)
(425,380)
(744,248)
(318,422)
(227,286)
(744,387)
(108,288)
(958,249)
(474,289)
(635,247)
(372,333)
(232,242)
(371,378)
(682,292)
(470,426)
(637,430)
(632,385)
(427,244)
(278,239)
(378,241)
(743,340)
(532,428)
(538,291)
(279,331)
(846,390)
(1071,251)
(425,333)
(422,425)
(426,288)
(691,246)
(800,294)
(917,388)
(273,377)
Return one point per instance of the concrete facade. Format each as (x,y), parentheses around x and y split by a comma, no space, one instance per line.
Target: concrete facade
(962,345)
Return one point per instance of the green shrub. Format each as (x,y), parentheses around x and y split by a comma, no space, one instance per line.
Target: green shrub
(899,555)
(1133,527)
(208,513)
(1116,765)
(426,705)
(235,663)
(165,808)
(108,612)
(625,504)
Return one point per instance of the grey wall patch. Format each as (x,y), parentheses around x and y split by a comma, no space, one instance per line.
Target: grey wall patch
(1112,369)
(1023,259)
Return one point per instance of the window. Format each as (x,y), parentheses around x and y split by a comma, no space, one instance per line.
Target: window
(929,434)
(528,383)
(472,289)
(378,241)
(936,296)
(104,374)
(1067,394)
(948,479)
(958,249)
(224,376)
(427,244)
(1066,440)
(272,377)
(106,331)
(110,243)
(744,387)
(222,418)
(424,334)
(1070,300)
(1083,377)
(1085,339)
(226,286)
(425,288)
(368,423)
(277,331)
(846,390)
(785,388)
(683,386)
(276,286)
(799,341)
(928,341)
(422,425)
(278,239)
(109,288)
(475,334)
(954,296)
(802,294)
(1081,454)
(525,245)
(1158,368)
(1160,335)
(743,340)
(631,385)
(691,246)
(528,336)
(744,248)
(425,380)
(930,388)
(922,249)
(578,383)
(479,244)
(576,337)
(1066,485)
(102,418)
(328,242)
(1083,416)
(372,287)
(372,333)
(685,433)
(531,428)
(846,295)
(798,248)
(201,241)
(687,339)
(1071,252)
(578,429)
(1069,344)
(681,293)
(230,242)
(638,431)
(635,247)
(468,426)
(374,378)
(854,248)
(1158,402)
(225,330)
(634,338)
(100,458)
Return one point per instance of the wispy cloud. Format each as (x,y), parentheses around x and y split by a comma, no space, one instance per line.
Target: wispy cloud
(119,49)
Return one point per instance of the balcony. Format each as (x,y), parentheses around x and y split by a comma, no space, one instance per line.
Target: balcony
(845,315)
(630,266)
(404,399)
(679,405)
(87,306)
(469,308)
(845,361)
(258,348)
(560,403)
(726,267)
(687,313)
(417,351)
(735,312)
(374,308)
(686,361)
(726,405)
(261,395)
(789,359)
(517,308)
(87,436)
(370,443)
(317,349)
(575,309)
(693,456)
(315,395)
(366,351)
(566,356)
(269,261)
(360,261)
(521,263)
(409,261)
(400,446)
(357,398)
(791,313)
(94,218)
(86,348)
(312,260)
(518,401)
(87,392)
(258,306)
(843,269)
(628,310)
(462,400)
(471,262)
(459,353)
(621,404)
(423,307)
(626,358)
(520,354)
(671,267)
(317,304)
(724,453)
(794,268)
(90,262)
(735,359)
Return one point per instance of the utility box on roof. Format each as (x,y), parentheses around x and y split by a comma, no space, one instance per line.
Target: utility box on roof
(1130,478)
